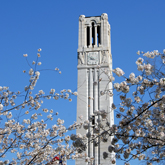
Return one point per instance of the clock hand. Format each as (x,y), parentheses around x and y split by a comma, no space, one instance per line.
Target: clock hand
(92,58)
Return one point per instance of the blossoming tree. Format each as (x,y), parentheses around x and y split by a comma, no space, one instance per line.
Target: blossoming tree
(140,132)
(141,111)
(25,137)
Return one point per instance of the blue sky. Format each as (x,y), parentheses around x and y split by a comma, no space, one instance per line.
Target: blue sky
(53,26)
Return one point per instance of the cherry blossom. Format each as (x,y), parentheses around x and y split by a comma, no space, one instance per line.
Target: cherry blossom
(139,133)
(24,134)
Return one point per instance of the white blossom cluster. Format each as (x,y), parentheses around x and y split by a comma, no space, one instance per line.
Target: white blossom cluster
(140,133)
(25,137)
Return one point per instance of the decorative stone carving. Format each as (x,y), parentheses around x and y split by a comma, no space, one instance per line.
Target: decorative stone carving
(104,16)
(104,58)
(81,18)
(80,58)
(109,32)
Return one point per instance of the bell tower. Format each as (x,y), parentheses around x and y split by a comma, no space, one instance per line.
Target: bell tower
(94,88)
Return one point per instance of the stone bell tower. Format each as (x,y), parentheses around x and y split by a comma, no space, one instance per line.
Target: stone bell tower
(94,70)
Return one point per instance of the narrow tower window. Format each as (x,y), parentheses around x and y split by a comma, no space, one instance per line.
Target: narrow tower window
(88,36)
(98,35)
(93,120)
(93,34)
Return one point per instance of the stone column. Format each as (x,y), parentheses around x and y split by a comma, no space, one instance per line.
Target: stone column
(95,36)
(82,104)
(96,108)
(81,31)
(85,36)
(104,30)
(105,104)
(91,108)
(90,44)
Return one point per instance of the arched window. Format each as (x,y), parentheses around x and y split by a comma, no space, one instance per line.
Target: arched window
(93,39)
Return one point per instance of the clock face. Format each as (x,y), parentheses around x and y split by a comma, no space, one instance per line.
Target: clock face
(93,58)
